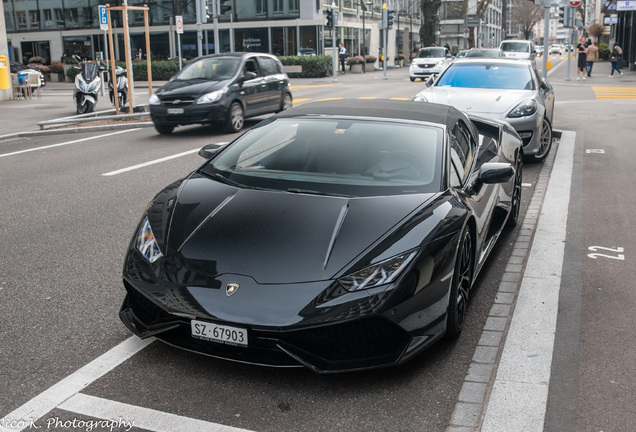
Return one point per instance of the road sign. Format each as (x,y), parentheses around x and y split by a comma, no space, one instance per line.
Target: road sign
(575,3)
(103,18)
(179,22)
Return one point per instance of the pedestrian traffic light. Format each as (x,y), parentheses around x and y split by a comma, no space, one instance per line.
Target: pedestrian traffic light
(389,18)
(225,7)
(330,18)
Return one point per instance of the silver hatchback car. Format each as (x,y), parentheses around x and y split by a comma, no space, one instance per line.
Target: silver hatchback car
(501,89)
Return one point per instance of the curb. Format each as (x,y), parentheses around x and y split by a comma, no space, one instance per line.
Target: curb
(69,130)
(474,395)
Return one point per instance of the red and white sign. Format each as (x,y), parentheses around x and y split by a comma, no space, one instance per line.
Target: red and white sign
(575,3)
(179,20)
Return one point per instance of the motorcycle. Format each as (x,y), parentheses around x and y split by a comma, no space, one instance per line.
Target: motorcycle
(122,87)
(87,85)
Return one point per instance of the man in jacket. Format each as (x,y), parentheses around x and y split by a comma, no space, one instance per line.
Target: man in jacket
(592,56)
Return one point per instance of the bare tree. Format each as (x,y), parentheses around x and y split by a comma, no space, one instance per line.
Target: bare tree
(482,7)
(524,13)
(597,31)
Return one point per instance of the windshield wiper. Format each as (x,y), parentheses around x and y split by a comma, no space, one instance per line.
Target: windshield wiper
(315,192)
(226,180)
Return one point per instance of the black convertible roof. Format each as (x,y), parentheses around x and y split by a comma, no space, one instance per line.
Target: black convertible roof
(380,108)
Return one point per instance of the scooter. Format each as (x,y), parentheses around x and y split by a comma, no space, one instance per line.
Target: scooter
(122,87)
(87,85)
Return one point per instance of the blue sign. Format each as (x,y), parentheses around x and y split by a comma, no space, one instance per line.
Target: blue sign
(103,19)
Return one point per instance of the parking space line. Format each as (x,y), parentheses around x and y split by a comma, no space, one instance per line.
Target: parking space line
(71,385)
(153,162)
(65,143)
(140,417)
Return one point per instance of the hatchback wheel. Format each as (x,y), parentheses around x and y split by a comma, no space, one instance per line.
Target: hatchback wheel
(286,103)
(235,118)
(163,129)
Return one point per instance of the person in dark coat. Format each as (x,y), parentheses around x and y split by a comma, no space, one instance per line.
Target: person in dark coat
(615,57)
(581,65)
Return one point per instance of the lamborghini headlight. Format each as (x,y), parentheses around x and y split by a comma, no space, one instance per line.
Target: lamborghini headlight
(382,273)
(524,109)
(146,243)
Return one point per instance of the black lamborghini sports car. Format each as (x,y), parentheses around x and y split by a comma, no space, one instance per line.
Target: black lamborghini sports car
(339,236)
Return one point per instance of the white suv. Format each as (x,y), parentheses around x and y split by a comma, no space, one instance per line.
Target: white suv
(518,49)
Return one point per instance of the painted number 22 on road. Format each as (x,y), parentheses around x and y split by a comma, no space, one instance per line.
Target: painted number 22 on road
(616,253)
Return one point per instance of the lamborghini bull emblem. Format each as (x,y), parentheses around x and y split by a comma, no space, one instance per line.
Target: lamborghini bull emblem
(231,288)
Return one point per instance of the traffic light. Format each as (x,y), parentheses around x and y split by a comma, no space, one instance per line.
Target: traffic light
(330,18)
(389,18)
(224,7)
(561,15)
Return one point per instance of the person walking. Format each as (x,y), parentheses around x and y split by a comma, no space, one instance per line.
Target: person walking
(342,54)
(581,65)
(592,56)
(454,49)
(615,57)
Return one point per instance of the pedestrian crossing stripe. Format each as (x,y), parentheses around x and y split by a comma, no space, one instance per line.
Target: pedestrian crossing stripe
(615,93)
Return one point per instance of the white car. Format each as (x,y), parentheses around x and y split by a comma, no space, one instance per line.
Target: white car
(20,69)
(503,89)
(429,61)
(518,49)
(556,49)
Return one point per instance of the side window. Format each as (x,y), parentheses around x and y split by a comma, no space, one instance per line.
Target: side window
(461,153)
(251,66)
(269,66)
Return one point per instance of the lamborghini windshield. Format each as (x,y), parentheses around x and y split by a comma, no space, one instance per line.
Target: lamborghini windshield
(342,156)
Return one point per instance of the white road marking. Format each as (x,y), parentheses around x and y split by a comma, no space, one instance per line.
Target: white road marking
(65,143)
(145,164)
(71,385)
(143,418)
(520,392)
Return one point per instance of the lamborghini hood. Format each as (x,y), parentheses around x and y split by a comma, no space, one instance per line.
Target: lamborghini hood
(273,236)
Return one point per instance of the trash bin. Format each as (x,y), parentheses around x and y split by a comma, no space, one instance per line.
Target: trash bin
(5,79)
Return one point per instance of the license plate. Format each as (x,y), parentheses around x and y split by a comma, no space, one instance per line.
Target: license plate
(219,333)
(175,110)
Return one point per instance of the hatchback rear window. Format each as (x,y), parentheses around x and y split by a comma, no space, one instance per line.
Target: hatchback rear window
(515,47)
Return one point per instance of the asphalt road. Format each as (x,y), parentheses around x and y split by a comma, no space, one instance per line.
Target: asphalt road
(65,227)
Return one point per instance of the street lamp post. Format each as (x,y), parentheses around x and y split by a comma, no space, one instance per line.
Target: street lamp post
(363,5)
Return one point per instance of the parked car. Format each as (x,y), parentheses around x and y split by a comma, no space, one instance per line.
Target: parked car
(503,89)
(16,68)
(429,61)
(221,88)
(484,53)
(518,49)
(556,49)
(461,54)
(339,235)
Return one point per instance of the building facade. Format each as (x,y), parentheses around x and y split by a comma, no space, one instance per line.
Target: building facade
(51,28)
